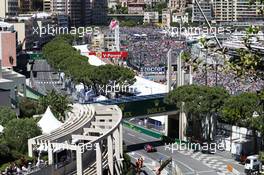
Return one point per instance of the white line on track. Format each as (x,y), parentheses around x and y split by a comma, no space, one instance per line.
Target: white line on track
(131,130)
(199,172)
(131,134)
(140,138)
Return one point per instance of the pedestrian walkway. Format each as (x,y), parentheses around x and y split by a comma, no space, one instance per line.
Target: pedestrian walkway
(212,161)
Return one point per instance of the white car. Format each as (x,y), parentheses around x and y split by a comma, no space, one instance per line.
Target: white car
(252,164)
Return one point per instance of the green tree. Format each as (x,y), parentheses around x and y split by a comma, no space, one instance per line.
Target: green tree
(239,110)
(191,64)
(63,57)
(128,23)
(200,102)
(59,104)
(5,153)
(29,107)
(6,114)
(107,74)
(18,131)
(160,6)
(249,62)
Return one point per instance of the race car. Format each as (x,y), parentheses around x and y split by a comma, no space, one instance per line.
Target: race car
(149,148)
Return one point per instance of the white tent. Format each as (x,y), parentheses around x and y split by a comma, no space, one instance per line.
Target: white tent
(48,122)
(95,61)
(148,87)
(1,128)
(100,98)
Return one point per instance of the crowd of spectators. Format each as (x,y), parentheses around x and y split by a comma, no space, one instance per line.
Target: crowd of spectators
(13,168)
(153,53)
(148,46)
(229,80)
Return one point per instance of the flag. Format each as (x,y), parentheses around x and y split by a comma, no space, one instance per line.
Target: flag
(113,24)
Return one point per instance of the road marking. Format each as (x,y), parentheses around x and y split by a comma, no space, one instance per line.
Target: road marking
(131,130)
(199,172)
(56,89)
(143,139)
(131,134)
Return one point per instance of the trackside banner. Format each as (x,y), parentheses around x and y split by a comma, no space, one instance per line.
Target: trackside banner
(107,55)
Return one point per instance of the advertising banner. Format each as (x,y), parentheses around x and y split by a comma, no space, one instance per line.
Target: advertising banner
(107,55)
(152,69)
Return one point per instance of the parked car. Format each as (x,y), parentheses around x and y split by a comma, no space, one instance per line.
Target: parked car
(252,164)
(149,148)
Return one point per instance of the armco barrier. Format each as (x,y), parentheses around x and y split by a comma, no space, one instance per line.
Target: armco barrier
(142,130)
(154,134)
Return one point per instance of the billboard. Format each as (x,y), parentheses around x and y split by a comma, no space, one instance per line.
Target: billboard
(152,69)
(107,55)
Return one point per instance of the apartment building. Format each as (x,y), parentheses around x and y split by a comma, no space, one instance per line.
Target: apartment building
(25,33)
(136,6)
(151,17)
(224,10)
(178,6)
(58,6)
(109,41)
(247,12)
(99,12)
(10,82)
(206,6)
(235,10)
(24,6)
(97,42)
(152,3)
(166,18)
(79,11)
(33,30)
(46,5)
(8,48)
(8,8)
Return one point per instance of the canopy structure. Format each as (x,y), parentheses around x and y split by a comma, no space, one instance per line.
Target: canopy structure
(100,98)
(1,128)
(147,87)
(48,122)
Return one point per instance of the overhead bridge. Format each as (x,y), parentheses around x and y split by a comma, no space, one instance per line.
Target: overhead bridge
(91,138)
(141,106)
(151,106)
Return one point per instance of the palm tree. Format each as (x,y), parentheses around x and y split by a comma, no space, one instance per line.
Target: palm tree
(59,104)
(191,63)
